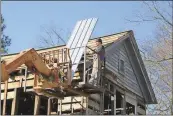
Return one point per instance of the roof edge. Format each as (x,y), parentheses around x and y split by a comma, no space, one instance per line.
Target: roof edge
(144,71)
(39,49)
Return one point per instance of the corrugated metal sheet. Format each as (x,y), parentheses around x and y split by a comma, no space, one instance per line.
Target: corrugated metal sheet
(76,29)
(79,40)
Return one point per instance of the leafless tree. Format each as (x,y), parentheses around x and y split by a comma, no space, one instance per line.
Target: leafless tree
(52,36)
(158,54)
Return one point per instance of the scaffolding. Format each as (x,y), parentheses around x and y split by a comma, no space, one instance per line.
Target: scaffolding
(78,86)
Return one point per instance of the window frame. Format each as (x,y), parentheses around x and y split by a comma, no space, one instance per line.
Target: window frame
(121,66)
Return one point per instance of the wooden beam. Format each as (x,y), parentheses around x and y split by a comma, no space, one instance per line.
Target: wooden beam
(101,103)
(82,102)
(60,107)
(77,92)
(10,95)
(57,106)
(75,106)
(124,105)
(5,98)
(87,105)
(37,105)
(26,70)
(15,102)
(13,85)
(49,106)
(71,107)
(45,93)
(115,101)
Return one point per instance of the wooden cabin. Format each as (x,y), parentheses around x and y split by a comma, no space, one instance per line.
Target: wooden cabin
(125,86)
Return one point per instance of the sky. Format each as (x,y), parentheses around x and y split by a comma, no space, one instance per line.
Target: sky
(24,20)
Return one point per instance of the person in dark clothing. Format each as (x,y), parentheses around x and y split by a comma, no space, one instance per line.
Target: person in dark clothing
(98,61)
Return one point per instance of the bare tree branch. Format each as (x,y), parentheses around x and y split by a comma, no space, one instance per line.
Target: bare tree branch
(170,4)
(59,37)
(157,55)
(164,59)
(161,15)
(51,37)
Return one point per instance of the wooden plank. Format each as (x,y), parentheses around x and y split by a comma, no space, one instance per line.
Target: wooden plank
(82,101)
(49,108)
(57,106)
(58,56)
(10,95)
(60,107)
(115,101)
(124,105)
(77,92)
(26,70)
(86,101)
(13,85)
(5,98)
(74,105)
(53,113)
(53,56)
(66,54)
(68,99)
(15,102)
(21,80)
(101,103)
(45,93)
(71,107)
(49,57)
(62,56)
(37,105)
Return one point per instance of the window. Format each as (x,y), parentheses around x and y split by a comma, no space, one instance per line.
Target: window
(121,66)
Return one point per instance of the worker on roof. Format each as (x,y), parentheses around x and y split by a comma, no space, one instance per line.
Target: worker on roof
(98,61)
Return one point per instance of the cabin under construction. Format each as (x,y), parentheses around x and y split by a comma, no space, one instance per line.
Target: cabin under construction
(124,86)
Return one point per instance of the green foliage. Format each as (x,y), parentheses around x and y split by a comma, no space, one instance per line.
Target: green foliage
(5,40)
